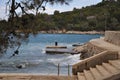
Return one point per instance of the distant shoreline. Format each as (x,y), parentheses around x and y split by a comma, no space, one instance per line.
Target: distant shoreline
(72,32)
(64,32)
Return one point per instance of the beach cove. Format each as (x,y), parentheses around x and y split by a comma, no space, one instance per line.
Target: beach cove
(33,55)
(105,55)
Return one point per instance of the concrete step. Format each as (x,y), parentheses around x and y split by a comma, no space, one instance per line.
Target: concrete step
(118,61)
(115,63)
(110,68)
(103,71)
(81,76)
(88,75)
(96,74)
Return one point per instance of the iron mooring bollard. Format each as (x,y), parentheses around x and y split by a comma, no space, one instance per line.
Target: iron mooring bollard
(58,69)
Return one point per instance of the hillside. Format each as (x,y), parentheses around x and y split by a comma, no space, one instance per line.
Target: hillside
(94,17)
(99,17)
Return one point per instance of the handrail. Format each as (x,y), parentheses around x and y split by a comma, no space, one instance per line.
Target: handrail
(97,59)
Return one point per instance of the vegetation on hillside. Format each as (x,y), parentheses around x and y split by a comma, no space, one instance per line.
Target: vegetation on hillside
(100,17)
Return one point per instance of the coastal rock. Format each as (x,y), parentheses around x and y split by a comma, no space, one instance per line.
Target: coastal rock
(80,49)
(20,66)
(88,50)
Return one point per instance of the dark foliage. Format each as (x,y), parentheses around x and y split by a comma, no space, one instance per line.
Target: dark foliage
(17,29)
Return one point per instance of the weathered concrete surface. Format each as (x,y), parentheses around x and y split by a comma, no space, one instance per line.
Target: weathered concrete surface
(96,51)
(20,76)
(60,51)
(113,37)
(56,47)
(96,46)
(105,45)
(105,71)
(98,59)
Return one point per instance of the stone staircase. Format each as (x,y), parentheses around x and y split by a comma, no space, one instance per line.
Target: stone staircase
(104,58)
(96,68)
(106,71)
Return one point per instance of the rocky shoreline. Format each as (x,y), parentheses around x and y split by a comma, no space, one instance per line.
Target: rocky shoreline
(72,32)
(88,50)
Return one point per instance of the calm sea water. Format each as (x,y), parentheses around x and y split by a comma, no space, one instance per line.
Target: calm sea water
(33,58)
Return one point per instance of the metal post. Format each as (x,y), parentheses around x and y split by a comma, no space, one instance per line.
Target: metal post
(68,70)
(58,69)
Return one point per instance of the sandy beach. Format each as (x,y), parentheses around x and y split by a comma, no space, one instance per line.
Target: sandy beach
(21,76)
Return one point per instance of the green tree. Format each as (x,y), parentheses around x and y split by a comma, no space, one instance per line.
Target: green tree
(17,29)
(56,12)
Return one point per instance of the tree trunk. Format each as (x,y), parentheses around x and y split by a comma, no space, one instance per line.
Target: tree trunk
(12,11)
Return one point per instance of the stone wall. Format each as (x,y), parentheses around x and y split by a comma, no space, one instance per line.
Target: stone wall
(98,59)
(113,37)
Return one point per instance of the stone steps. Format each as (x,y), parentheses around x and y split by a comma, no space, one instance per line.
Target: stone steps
(110,68)
(88,75)
(81,76)
(115,63)
(102,70)
(106,71)
(97,75)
